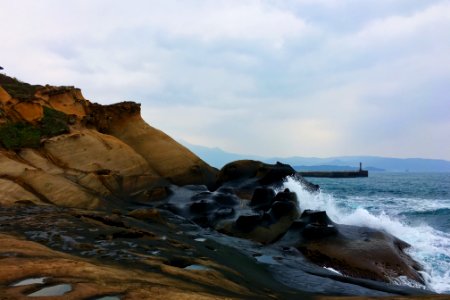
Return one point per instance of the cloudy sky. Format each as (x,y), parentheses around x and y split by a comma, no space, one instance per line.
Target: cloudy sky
(273,78)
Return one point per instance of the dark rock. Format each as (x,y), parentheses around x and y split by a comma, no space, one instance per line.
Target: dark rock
(261,173)
(247,223)
(359,252)
(316,231)
(226,190)
(286,195)
(275,173)
(201,196)
(262,198)
(282,208)
(310,187)
(316,217)
(202,220)
(224,212)
(202,206)
(226,199)
(147,214)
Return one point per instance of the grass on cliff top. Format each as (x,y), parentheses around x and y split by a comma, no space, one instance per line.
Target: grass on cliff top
(18,89)
(14,136)
(20,135)
(54,122)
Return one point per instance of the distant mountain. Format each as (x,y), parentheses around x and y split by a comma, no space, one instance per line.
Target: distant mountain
(218,158)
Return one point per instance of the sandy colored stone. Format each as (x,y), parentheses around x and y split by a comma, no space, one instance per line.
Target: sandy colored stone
(10,192)
(93,182)
(37,160)
(169,158)
(10,167)
(23,259)
(91,151)
(29,111)
(59,190)
(70,102)
(4,96)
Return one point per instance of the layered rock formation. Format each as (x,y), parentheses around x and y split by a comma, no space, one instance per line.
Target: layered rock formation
(60,148)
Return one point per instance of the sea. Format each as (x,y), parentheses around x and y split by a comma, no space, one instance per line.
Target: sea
(414,207)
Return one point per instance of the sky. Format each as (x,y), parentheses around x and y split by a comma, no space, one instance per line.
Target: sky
(272,78)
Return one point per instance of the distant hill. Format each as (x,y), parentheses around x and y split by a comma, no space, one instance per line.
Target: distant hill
(218,158)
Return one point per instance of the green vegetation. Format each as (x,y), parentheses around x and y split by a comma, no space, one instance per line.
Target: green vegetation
(19,135)
(54,122)
(14,136)
(18,89)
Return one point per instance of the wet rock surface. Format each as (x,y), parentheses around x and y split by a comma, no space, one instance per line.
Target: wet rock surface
(176,253)
(192,233)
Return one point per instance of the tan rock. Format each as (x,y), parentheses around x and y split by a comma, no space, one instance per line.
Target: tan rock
(35,158)
(59,190)
(91,279)
(4,96)
(29,111)
(10,167)
(69,102)
(91,151)
(10,192)
(93,182)
(169,158)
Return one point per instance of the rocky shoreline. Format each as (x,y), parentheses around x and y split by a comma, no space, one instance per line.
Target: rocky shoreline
(96,203)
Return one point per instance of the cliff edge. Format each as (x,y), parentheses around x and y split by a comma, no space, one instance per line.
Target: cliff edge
(57,147)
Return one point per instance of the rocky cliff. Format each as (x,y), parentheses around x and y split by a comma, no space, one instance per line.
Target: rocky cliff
(59,148)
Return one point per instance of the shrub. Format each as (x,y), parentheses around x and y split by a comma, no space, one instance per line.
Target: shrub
(54,122)
(19,135)
(14,136)
(18,89)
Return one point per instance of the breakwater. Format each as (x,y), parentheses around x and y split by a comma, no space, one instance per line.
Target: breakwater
(335,174)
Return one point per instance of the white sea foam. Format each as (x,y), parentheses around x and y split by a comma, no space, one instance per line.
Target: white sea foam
(333,270)
(430,247)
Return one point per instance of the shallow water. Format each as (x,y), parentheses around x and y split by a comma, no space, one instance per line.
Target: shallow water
(196,268)
(413,207)
(29,281)
(56,290)
(108,298)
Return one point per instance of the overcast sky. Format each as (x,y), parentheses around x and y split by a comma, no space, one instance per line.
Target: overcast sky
(273,78)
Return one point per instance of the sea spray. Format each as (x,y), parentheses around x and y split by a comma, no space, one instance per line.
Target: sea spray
(429,246)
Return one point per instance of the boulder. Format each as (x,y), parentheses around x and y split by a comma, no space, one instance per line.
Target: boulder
(262,198)
(248,222)
(280,209)
(286,195)
(361,252)
(261,173)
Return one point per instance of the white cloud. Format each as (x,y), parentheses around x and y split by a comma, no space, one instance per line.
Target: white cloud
(296,77)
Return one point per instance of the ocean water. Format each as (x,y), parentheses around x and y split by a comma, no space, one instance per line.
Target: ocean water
(412,206)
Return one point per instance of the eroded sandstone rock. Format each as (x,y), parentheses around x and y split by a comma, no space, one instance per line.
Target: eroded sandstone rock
(94,150)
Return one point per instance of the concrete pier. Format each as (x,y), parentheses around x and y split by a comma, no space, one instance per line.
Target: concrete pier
(335,174)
